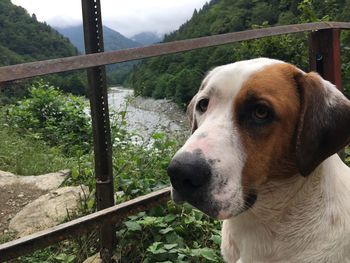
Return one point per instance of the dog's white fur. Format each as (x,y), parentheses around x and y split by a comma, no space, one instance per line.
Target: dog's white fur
(299,219)
(313,225)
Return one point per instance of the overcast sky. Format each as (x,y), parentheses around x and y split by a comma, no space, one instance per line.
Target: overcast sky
(128,17)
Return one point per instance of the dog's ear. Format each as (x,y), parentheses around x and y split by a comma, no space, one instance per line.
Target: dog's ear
(324,124)
(191,114)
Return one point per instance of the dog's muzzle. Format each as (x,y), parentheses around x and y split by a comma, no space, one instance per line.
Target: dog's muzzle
(190,176)
(189,172)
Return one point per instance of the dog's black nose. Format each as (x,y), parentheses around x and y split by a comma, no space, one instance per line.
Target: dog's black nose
(188,172)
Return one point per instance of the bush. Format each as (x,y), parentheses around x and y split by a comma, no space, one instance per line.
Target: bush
(169,233)
(26,155)
(141,169)
(47,114)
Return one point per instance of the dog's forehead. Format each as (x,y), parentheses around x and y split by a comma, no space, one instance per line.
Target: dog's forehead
(228,79)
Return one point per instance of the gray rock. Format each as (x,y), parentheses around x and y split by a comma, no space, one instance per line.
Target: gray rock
(48,210)
(94,259)
(45,182)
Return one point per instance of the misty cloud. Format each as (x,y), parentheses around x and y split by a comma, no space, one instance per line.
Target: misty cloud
(128,17)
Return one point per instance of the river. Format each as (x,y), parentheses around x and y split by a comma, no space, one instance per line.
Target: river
(146,115)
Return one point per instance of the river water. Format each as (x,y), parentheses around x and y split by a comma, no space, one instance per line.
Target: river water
(146,115)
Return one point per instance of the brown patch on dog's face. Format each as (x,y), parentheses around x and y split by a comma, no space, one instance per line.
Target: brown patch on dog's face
(266,111)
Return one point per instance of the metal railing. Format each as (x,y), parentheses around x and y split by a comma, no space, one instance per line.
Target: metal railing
(32,69)
(324,43)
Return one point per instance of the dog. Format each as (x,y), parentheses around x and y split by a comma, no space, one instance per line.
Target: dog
(262,158)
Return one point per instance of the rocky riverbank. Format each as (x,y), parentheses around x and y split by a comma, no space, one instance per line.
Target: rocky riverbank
(148,115)
(32,203)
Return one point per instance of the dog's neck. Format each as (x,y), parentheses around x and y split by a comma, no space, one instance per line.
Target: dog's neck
(278,197)
(289,215)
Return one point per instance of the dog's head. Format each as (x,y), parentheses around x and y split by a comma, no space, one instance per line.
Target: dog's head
(254,121)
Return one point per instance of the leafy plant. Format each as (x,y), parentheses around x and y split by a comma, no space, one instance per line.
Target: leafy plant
(140,169)
(25,155)
(74,250)
(169,234)
(47,114)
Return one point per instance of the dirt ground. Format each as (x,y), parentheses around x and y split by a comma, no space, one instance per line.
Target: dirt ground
(12,199)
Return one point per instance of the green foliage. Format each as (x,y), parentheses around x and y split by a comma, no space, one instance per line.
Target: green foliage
(347,155)
(118,73)
(169,234)
(33,40)
(76,250)
(308,13)
(22,154)
(27,156)
(49,115)
(140,169)
(75,83)
(11,92)
(24,39)
(289,48)
(178,76)
(9,57)
(164,234)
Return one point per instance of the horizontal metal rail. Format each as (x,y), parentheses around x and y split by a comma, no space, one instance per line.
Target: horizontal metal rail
(32,69)
(81,225)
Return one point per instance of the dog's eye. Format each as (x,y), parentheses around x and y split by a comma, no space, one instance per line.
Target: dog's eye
(261,113)
(202,105)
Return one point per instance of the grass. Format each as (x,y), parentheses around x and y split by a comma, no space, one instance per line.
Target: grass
(26,155)
(68,251)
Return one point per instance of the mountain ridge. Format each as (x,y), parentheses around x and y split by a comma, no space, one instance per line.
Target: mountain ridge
(30,39)
(113,40)
(178,76)
(24,39)
(146,38)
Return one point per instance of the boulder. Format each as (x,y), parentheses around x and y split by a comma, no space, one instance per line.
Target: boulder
(94,259)
(45,182)
(97,259)
(48,210)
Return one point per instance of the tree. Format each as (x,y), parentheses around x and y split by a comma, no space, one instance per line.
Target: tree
(223,16)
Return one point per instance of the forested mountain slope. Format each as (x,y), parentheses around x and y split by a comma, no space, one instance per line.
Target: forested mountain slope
(31,40)
(112,39)
(146,38)
(24,39)
(178,76)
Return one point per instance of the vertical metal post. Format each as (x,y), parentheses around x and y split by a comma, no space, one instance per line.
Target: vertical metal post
(324,55)
(93,37)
